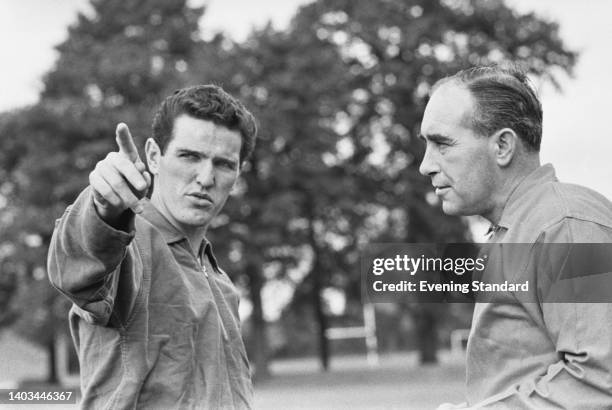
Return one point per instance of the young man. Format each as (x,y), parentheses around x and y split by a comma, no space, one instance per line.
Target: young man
(155,320)
(482,128)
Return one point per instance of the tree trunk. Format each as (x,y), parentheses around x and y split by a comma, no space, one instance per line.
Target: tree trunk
(426,326)
(317,287)
(426,313)
(320,315)
(260,356)
(52,377)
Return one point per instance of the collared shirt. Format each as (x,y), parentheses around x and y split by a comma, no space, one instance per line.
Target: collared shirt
(544,355)
(155,326)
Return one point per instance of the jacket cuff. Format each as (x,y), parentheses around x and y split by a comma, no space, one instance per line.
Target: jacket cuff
(99,237)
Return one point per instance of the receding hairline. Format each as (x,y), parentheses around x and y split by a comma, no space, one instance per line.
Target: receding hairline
(504,97)
(468,117)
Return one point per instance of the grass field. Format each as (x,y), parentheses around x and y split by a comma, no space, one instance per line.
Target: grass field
(398,382)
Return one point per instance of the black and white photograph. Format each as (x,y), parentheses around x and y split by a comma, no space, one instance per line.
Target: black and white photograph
(305,204)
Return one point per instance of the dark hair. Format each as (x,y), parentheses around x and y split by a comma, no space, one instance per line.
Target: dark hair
(206,102)
(504,98)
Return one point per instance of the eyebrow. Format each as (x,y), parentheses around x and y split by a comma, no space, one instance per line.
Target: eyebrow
(439,138)
(202,154)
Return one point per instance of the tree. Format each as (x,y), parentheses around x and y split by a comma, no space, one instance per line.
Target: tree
(339,96)
(114,66)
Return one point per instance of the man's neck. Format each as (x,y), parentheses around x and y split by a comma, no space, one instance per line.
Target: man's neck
(195,235)
(512,180)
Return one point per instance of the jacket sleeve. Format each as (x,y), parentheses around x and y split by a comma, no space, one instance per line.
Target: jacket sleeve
(582,377)
(578,324)
(95,265)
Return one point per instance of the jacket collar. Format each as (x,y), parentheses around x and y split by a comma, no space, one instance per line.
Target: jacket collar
(513,206)
(173,235)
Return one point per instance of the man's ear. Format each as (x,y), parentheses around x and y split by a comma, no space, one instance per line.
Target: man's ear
(235,186)
(506,144)
(153,154)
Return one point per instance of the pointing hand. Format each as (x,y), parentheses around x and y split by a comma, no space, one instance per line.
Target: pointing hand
(120,180)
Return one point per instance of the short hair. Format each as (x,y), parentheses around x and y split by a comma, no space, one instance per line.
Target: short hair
(504,98)
(206,102)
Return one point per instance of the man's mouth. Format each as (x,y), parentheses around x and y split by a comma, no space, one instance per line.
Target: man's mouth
(201,196)
(439,190)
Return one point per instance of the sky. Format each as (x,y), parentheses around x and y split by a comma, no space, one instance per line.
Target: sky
(576,138)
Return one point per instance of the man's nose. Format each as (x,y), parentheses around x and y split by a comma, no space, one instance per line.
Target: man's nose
(206,174)
(428,165)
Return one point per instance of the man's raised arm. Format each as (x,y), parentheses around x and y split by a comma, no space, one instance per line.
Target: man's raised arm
(89,249)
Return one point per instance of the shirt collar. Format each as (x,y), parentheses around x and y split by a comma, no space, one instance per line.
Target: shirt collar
(512,208)
(206,249)
(493,229)
(173,235)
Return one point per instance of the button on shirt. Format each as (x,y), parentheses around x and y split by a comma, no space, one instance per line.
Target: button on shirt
(155,326)
(532,355)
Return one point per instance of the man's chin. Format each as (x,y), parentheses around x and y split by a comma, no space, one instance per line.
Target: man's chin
(197,219)
(451,209)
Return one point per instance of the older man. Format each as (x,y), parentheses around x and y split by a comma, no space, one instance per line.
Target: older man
(482,128)
(155,319)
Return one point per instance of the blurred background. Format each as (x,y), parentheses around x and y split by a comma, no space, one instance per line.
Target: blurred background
(338,87)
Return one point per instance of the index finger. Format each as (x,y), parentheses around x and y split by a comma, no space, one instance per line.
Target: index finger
(125,142)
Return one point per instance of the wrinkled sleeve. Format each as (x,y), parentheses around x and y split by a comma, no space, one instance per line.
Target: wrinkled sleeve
(94,264)
(580,328)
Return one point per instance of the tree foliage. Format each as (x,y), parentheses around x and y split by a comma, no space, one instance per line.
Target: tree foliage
(339,95)
(114,65)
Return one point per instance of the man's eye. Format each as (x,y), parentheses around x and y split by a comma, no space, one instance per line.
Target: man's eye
(188,155)
(442,145)
(226,164)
